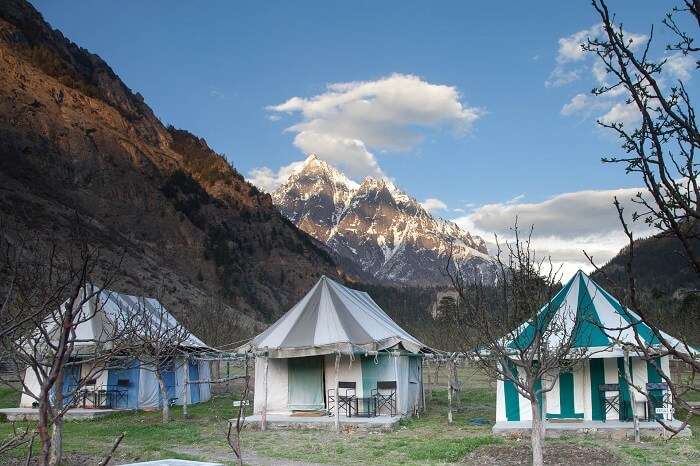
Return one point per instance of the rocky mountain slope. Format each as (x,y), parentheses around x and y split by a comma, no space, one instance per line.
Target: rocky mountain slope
(384,231)
(77,143)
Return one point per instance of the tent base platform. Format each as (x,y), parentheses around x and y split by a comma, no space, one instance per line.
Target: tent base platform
(285,421)
(610,429)
(32,414)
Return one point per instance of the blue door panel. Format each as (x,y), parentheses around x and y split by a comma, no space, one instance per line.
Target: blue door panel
(194,387)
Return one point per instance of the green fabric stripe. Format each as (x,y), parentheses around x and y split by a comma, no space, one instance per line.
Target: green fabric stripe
(642,329)
(511,395)
(562,416)
(653,371)
(544,316)
(656,396)
(597,378)
(588,331)
(566,395)
(624,390)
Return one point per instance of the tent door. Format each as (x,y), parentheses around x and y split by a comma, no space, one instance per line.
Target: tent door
(194,376)
(305,379)
(566,398)
(71,380)
(168,375)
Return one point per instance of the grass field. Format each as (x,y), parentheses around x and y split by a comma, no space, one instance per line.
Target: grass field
(425,440)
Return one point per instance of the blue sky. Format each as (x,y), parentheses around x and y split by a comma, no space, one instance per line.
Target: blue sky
(216,68)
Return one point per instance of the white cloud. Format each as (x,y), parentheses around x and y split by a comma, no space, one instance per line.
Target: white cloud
(432,204)
(570,49)
(347,122)
(679,66)
(622,112)
(350,154)
(585,104)
(561,76)
(564,225)
(268,180)
(515,199)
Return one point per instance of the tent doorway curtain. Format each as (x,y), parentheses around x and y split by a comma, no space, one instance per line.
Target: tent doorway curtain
(305,381)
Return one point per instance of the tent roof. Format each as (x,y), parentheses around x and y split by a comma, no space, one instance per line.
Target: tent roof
(333,318)
(602,321)
(109,307)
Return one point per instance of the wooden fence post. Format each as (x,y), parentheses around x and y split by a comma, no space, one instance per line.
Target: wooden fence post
(263,416)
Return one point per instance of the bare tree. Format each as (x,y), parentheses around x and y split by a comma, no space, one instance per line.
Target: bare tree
(156,340)
(235,426)
(661,151)
(46,301)
(492,321)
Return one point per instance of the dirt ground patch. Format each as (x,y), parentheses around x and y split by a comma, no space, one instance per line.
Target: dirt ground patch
(555,455)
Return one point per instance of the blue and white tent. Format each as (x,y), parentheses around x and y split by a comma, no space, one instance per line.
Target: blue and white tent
(135,381)
(598,323)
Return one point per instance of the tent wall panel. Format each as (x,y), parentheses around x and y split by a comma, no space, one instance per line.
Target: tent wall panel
(204,374)
(149,391)
(277,388)
(349,370)
(500,402)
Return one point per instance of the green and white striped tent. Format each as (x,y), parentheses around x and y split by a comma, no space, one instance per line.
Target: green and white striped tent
(599,323)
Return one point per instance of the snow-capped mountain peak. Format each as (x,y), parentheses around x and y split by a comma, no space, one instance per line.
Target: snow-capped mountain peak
(376,225)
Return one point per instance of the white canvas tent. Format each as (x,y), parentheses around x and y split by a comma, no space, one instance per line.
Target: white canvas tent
(297,354)
(136,379)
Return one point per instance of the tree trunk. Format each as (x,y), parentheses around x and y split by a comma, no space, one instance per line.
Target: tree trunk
(43,427)
(537,435)
(164,400)
(57,429)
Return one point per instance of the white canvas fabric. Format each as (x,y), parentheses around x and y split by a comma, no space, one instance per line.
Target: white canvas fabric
(277,386)
(149,391)
(332,318)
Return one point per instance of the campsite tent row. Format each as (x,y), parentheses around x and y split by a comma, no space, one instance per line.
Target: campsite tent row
(135,381)
(602,327)
(298,363)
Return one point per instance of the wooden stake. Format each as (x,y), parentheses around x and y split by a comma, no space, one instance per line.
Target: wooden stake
(449,391)
(263,415)
(108,458)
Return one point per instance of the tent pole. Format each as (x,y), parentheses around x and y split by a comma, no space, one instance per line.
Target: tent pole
(398,385)
(337,395)
(422,385)
(263,416)
(187,388)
